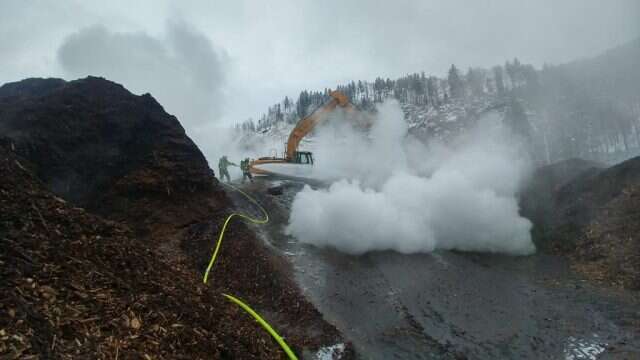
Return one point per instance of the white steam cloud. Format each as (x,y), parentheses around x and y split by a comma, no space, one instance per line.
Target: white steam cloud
(393,193)
(181,69)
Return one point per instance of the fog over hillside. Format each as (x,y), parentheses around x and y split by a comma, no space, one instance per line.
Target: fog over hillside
(587,108)
(282,47)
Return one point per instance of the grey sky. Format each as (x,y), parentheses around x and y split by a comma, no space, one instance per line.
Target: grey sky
(263,50)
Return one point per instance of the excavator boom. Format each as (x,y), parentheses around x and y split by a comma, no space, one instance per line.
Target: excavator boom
(293,157)
(307,124)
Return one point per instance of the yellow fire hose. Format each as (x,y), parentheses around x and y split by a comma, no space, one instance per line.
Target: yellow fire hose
(264,324)
(235,300)
(226,222)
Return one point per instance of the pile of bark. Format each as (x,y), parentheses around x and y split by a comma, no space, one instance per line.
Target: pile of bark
(79,286)
(105,149)
(590,213)
(108,215)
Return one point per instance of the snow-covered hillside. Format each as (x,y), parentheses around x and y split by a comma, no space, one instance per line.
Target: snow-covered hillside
(425,121)
(578,109)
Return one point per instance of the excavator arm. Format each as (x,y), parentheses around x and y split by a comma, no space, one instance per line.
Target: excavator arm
(307,124)
(272,165)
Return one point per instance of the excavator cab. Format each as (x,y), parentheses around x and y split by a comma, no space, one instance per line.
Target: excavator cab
(304,157)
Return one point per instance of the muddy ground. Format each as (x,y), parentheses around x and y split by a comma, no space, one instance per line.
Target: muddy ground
(455,305)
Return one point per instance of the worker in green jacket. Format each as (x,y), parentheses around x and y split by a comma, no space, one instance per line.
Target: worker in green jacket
(223,164)
(244,166)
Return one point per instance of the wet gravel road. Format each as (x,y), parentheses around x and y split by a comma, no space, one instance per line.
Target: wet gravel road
(456,305)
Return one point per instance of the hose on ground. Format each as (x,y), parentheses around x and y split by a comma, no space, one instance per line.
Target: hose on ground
(265,325)
(226,223)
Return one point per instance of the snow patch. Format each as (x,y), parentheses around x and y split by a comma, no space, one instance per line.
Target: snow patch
(583,349)
(330,352)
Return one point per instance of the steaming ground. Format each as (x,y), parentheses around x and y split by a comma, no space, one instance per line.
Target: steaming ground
(390,192)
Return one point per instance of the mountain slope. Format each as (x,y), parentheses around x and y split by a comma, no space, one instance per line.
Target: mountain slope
(613,74)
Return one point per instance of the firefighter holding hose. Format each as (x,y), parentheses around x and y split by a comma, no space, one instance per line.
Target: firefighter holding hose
(244,166)
(223,164)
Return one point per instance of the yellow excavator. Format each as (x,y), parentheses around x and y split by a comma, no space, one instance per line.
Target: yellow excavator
(272,165)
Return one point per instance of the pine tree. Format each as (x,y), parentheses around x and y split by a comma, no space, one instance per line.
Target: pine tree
(499,80)
(456,87)
(516,119)
(287,104)
(475,79)
(432,90)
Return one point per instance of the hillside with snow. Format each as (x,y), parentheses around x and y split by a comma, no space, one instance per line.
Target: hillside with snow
(561,112)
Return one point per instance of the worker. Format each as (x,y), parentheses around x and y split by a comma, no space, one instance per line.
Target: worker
(244,166)
(223,164)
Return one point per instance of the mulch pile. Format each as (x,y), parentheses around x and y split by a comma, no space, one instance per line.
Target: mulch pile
(75,285)
(591,214)
(108,214)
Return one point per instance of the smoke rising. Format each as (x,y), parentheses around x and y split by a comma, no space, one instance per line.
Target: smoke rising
(181,69)
(390,192)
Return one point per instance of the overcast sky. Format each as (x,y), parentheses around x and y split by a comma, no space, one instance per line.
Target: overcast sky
(224,61)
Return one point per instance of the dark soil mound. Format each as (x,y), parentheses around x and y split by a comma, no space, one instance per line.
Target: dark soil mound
(538,200)
(102,148)
(78,285)
(592,215)
(30,87)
